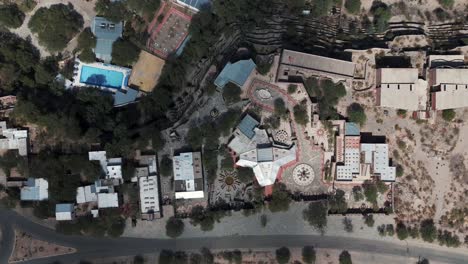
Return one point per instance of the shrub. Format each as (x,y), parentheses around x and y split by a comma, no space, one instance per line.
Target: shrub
(87,55)
(353,6)
(402,231)
(448,114)
(348,225)
(300,114)
(357,193)
(427,230)
(369,220)
(401,113)
(56,25)
(86,39)
(448,4)
(390,230)
(337,202)
(292,88)
(280,108)
(356,114)
(345,258)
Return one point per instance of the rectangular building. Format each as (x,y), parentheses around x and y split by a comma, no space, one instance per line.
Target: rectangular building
(35,190)
(106,32)
(13,139)
(401,88)
(64,212)
(299,65)
(188,176)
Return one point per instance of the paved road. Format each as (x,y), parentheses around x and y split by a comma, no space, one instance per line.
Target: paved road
(89,248)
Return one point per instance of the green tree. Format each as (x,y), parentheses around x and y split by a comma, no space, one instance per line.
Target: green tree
(280,198)
(86,39)
(114,11)
(263,220)
(337,202)
(369,220)
(322,7)
(382,14)
(348,225)
(292,88)
(87,55)
(124,52)
(231,93)
(300,114)
(143,7)
(283,255)
(345,258)
(356,114)
(165,166)
(56,25)
(245,174)
(166,256)
(353,6)
(390,230)
(401,231)
(204,218)
(428,230)
(357,193)
(308,254)
(138,259)
(316,215)
(280,108)
(11,16)
(448,115)
(174,227)
(370,192)
(399,170)
(448,4)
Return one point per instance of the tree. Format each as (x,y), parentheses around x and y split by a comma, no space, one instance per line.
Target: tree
(166,166)
(399,170)
(280,108)
(300,114)
(294,5)
(245,174)
(356,114)
(322,7)
(401,113)
(231,93)
(56,25)
(166,256)
(280,199)
(316,215)
(357,193)
(124,52)
(263,220)
(390,230)
(174,227)
(348,225)
(427,230)
(11,16)
(143,7)
(402,231)
(202,217)
(87,55)
(114,11)
(138,259)
(337,202)
(447,4)
(345,258)
(370,192)
(86,39)
(448,115)
(308,254)
(369,220)
(292,88)
(382,14)
(353,6)
(283,255)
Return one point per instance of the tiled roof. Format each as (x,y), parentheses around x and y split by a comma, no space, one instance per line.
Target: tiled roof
(236,73)
(247,126)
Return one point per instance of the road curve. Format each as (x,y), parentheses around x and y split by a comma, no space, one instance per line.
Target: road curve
(89,248)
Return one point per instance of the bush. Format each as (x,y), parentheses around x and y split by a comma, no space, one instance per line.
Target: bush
(345,258)
(292,88)
(446,238)
(124,52)
(353,6)
(413,232)
(356,114)
(402,231)
(427,230)
(401,113)
(337,202)
(308,254)
(390,230)
(11,16)
(87,55)
(316,215)
(174,227)
(448,4)
(280,108)
(56,25)
(382,14)
(300,114)
(357,193)
(348,225)
(86,39)
(280,198)
(283,255)
(448,114)
(399,170)
(369,220)
(232,93)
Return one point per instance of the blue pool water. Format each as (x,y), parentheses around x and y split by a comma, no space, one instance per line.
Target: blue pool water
(100,77)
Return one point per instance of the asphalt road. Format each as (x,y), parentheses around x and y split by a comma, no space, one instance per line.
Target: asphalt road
(89,248)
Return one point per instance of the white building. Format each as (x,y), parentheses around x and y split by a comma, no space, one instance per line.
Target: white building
(401,88)
(86,194)
(13,139)
(376,161)
(64,212)
(35,190)
(266,161)
(107,200)
(147,176)
(112,167)
(188,176)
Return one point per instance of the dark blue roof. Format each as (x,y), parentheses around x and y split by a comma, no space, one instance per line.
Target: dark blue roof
(247,126)
(122,97)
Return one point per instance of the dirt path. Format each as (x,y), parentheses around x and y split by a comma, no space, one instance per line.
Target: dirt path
(86,9)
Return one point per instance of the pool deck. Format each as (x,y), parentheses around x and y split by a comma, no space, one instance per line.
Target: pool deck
(78,68)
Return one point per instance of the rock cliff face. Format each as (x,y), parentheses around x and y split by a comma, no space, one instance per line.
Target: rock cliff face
(333,33)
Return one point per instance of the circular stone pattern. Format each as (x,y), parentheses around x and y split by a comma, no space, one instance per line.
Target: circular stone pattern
(281,136)
(263,94)
(303,174)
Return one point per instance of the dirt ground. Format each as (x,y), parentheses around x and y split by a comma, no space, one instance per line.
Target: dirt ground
(146,72)
(27,247)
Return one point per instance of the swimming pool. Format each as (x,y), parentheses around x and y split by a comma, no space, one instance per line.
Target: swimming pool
(101,77)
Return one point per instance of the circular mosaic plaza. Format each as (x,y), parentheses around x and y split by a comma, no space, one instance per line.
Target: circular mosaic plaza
(303,174)
(281,136)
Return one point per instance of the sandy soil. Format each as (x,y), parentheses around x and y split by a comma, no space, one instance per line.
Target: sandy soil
(27,247)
